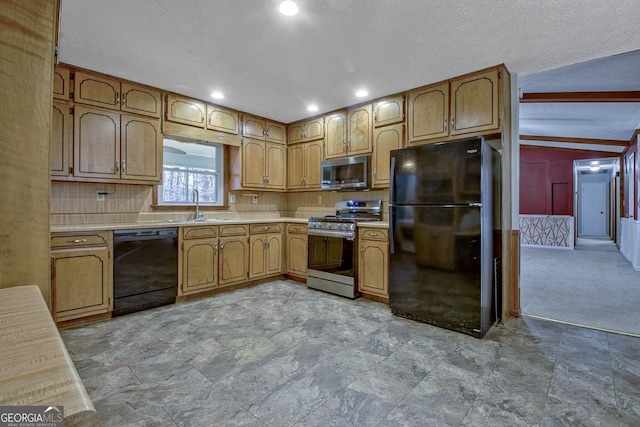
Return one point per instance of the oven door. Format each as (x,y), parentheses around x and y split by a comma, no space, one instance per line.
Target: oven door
(331,265)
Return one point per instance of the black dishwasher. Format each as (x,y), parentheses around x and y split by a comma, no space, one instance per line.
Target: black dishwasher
(145,269)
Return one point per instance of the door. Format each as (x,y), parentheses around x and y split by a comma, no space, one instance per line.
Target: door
(384,140)
(199,265)
(96,143)
(336,135)
(141,144)
(593,221)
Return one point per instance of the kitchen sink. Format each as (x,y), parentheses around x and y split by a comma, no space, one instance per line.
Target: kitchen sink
(196,221)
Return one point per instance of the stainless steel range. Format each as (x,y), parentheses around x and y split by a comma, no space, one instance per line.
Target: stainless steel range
(332,260)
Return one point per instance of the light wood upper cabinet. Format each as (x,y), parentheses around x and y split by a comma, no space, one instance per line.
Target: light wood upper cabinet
(223,119)
(305,166)
(359,135)
(264,130)
(388,111)
(96,143)
(185,110)
(263,165)
(61,82)
(61,137)
(348,132)
(469,104)
(335,135)
(373,262)
(474,103)
(385,139)
(81,275)
(109,93)
(428,112)
(306,130)
(141,148)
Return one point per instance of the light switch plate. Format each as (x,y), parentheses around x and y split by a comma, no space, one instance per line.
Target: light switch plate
(319,200)
(232,198)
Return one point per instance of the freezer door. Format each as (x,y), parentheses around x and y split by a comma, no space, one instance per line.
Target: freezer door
(438,269)
(443,173)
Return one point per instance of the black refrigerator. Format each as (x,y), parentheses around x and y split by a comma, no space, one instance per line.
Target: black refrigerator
(444,264)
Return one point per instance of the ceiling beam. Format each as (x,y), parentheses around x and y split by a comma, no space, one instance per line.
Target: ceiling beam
(590,141)
(548,97)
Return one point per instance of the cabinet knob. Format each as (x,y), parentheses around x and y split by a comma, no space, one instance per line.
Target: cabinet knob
(453,123)
(444,124)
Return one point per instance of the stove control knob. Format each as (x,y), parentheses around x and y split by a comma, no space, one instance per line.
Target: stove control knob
(328,225)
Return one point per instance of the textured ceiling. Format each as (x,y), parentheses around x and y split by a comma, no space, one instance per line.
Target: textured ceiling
(274,66)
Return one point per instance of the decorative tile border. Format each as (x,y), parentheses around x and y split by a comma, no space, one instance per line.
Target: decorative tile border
(553,231)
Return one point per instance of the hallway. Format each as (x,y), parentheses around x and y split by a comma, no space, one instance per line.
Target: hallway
(592,286)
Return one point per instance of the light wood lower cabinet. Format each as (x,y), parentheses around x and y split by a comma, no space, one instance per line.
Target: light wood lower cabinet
(81,274)
(199,247)
(297,249)
(373,264)
(265,242)
(233,258)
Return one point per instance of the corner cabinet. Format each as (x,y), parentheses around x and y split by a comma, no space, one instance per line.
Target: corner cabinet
(373,264)
(297,247)
(465,105)
(233,258)
(266,249)
(199,246)
(263,165)
(304,166)
(81,281)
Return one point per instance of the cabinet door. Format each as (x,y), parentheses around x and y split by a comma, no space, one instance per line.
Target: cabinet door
(98,91)
(388,111)
(359,129)
(275,132)
(295,133)
(253,127)
(60,139)
(257,256)
(336,135)
(186,111)
(81,284)
(233,260)
(275,166)
(385,139)
(253,164)
(373,268)
(141,100)
(141,148)
(199,265)
(295,167)
(474,103)
(96,143)
(313,165)
(223,120)
(61,81)
(297,255)
(273,262)
(314,129)
(428,113)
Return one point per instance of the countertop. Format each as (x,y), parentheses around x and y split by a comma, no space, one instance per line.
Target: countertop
(68,228)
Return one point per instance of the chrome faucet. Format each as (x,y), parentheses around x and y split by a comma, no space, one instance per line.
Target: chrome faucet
(196,198)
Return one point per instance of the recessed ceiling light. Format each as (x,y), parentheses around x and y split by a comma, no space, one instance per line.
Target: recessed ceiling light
(362,93)
(217,95)
(288,8)
(312,108)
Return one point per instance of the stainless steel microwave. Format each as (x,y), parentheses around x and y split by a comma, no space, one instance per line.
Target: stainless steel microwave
(349,173)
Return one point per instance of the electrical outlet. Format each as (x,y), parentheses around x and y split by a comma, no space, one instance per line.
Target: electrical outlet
(232,198)
(255,199)
(319,200)
(100,195)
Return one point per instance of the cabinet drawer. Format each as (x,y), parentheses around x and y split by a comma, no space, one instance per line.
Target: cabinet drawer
(200,232)
(79,240)
(297,228)
(374,234)
(265,228)
(233,230)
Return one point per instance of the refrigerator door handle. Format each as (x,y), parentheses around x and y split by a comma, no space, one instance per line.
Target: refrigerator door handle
(392,179)
(392,228)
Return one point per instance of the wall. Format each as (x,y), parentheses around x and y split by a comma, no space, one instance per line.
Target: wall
(27,31)
(546,179)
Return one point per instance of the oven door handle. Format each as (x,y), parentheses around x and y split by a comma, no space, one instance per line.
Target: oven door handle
(331,233)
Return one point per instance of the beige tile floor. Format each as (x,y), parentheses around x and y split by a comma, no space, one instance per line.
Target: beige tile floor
(278,354)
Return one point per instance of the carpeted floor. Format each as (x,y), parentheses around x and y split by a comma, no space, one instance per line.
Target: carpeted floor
(592,286)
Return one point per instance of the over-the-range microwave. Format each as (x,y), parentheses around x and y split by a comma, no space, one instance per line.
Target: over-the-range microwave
(349,173)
